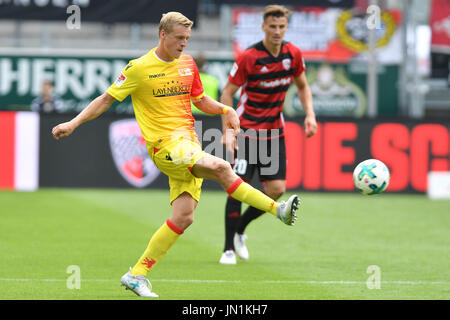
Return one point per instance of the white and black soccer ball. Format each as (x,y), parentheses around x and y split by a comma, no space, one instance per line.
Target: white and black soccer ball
(371,177)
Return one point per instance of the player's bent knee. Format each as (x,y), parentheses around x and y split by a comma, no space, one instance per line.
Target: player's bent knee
(222,168)
(275,193)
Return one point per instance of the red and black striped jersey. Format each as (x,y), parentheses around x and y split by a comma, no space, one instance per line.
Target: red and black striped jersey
(264,81)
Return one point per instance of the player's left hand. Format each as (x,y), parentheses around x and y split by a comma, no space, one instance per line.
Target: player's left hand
(310,125)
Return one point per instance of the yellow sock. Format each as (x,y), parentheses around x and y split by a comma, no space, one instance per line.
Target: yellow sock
(244,192)
(157,248)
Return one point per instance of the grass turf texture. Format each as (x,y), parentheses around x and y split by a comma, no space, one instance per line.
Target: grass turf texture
(324,256)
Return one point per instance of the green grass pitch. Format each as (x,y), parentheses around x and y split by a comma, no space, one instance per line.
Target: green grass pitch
(326,255)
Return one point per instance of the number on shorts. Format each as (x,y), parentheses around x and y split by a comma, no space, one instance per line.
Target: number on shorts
(240,166)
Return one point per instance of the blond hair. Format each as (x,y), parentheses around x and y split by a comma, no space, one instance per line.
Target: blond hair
(172,18)
(277,11)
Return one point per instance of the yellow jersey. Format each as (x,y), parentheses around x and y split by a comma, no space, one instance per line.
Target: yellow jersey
(161,94)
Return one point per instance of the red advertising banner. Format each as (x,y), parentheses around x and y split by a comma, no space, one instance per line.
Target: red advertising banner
(7,142)
(440,25)
(19,145)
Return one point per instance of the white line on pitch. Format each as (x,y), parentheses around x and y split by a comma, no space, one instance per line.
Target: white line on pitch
(342,282)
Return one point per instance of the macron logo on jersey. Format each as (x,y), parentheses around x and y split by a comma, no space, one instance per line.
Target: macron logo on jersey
(120,80)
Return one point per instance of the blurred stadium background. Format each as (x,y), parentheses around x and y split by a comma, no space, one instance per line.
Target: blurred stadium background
(381,89)
(392,102)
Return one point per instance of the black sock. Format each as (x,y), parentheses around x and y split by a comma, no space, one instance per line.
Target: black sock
(249,215)
(232,215)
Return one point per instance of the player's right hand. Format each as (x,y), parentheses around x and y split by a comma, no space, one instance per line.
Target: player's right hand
(63,130)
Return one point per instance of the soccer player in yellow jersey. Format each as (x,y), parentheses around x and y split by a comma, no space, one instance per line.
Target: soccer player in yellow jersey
(161,84)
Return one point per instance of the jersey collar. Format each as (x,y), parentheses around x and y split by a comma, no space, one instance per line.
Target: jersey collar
(159,59)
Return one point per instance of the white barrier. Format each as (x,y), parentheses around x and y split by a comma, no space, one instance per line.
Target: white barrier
(438,185)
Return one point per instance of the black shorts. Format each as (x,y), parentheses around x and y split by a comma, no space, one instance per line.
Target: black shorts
(265,156)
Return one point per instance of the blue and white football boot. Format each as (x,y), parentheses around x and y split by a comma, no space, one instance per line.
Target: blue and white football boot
(140,285)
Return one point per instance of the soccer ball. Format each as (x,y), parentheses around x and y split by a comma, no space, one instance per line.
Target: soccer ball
(371,177)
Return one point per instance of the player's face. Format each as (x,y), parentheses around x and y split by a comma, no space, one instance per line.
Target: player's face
(275,28)
(176,40)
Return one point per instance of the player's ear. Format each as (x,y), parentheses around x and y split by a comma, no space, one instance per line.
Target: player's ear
(162,34)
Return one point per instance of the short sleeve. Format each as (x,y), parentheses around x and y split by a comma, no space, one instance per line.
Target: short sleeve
(299,64)
(125,83)
(238,73)
(197,91)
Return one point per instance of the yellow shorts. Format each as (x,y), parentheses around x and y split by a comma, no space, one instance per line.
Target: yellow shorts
(176,158)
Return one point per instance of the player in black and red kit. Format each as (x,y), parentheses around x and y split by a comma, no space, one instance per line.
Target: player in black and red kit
(265,71)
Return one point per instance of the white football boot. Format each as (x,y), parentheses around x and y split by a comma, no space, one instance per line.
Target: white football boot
(240,247)
(286,210)
(228,257)
(140,285)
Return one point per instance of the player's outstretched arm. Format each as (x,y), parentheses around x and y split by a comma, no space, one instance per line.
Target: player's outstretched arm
(92,111)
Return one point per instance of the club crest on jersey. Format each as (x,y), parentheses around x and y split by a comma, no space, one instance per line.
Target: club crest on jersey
(185,72)
(130,155)
(120,80)
(286,64)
